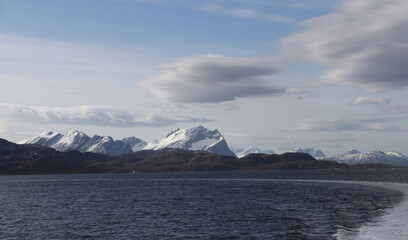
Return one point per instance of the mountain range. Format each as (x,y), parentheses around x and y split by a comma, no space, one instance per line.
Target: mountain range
(194,139)
(36,159)
(197,138)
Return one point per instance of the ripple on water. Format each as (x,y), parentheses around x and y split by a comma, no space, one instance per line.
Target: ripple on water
(118,207)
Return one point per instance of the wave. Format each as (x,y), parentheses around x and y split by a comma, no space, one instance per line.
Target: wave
(391,226)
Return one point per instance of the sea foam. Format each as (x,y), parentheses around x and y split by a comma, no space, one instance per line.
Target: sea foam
(393,225)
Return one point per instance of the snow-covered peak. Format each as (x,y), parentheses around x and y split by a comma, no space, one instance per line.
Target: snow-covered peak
(75,133)
(72,140)
(197,138)
(105,145)
(47,138)
(314,152)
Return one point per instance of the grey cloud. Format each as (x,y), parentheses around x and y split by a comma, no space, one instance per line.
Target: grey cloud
(212,79)
(364,43)
(349,124)
(370,101)
(90,115)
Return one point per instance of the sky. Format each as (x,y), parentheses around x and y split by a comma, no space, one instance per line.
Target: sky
(275,74)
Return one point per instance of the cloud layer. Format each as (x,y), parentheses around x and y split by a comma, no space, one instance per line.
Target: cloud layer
(364,43)
(90,115)
(211,79)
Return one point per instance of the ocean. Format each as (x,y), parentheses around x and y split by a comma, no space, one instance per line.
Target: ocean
(338,204)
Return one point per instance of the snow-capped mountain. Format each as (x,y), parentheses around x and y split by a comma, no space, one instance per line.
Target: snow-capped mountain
(72,140)
(197,138)
(135,143)
(241,152)
(46,138)
(106,145)
(355,157)
(314,152)
(79,141)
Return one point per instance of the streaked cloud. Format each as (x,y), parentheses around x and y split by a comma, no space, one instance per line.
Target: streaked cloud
(212,79)
(364,43)
(370,101)
(92,115)
(46,61)
(350,124)
(395,109)
(245,13)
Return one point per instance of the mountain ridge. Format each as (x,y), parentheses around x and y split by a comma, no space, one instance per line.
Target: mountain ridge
(79,141)
(196,138)
(353,157)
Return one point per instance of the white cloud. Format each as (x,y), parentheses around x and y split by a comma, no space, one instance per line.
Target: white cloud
(371,101)
(364,43)
(210,78)
(246,13)
(91,115)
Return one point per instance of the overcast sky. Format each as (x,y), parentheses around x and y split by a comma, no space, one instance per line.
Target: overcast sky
(275,74)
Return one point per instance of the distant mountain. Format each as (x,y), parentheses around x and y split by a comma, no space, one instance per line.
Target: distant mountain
(353,151)
(79,141)
(314,152)
(135,143)
(197,138)
(241,152)
(355,157)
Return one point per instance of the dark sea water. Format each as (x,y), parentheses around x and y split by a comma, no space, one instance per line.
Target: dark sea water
(218,205)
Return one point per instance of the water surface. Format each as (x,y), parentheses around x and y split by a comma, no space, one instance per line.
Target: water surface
(218,205)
